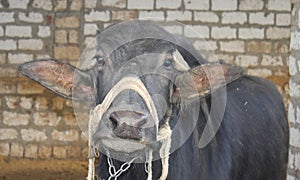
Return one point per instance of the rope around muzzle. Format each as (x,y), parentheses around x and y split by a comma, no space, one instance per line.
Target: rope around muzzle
(130,83)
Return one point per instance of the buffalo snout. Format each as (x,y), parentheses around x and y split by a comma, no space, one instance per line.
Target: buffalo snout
(128,124)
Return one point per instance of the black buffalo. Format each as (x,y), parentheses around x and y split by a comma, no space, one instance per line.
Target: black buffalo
(165,103)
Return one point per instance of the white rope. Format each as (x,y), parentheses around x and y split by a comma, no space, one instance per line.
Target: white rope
(133,83)
(165,150)
(148,164)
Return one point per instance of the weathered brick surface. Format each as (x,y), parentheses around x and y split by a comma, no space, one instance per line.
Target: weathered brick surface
(6,134)
(16,150)
(4,149)
(31,151)
(15,119)
(179,15)
(44,152)
(210,17)
(18,31)
(34,123)
(168,4)
(196,5)
(250,5)
(33,135)
(114,3)
(142,4)
(46,119)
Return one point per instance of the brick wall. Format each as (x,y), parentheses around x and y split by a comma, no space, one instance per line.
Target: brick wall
(34,123)
(294,105)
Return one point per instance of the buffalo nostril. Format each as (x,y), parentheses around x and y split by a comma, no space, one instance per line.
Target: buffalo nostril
(142,120)
(114,119)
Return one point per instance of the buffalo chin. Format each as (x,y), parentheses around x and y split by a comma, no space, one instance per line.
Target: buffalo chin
(123,145)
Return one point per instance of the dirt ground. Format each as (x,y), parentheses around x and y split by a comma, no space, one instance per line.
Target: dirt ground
(23,169)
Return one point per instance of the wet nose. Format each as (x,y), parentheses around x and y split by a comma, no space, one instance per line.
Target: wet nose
(127,124)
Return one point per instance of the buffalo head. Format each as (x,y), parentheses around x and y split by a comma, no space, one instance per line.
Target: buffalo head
(137,76)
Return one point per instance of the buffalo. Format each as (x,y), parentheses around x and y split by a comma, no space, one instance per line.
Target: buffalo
(159,110)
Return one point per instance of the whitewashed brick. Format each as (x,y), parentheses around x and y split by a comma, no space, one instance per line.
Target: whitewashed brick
(223,33)
(295,137)
(31,44)
(152,15)
(283,19)
(91,4)
(292,113)
(32,17)
(293,65)
(278,33)
(206,17)
(295,43)
(44,31)
(272,60)
(259,72)
(294,89)
(70,135)
(15,119)
(196,31)
(18,31)
(4,149)
(141,4)
(90,29)
(42,4)
(205,45)
(297,160)
(196,4)
(179,15)
(33,135)
(246,61)
(1,31)
(97,16)
(168,4)
(232,46)
(221,5)
(291,162)
(298,116)
(46,119)
(251,33)
(114,3)
(26,103)
(18,4)
(234,18)
(251,5)
(174,29)
(6,134)
(279,5)
(19,58)
(261,18)
(7,17)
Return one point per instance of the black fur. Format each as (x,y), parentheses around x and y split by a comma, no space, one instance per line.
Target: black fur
(251,143)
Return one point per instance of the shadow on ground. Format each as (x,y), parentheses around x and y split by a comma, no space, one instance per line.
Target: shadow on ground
(16,169)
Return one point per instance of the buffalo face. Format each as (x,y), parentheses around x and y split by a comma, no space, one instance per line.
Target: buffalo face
(138,77)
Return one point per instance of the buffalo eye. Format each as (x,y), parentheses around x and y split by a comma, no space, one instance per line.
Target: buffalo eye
(100,59)
(168,62)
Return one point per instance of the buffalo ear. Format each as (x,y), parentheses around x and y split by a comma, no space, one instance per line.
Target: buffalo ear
(204,79)
(58,77)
